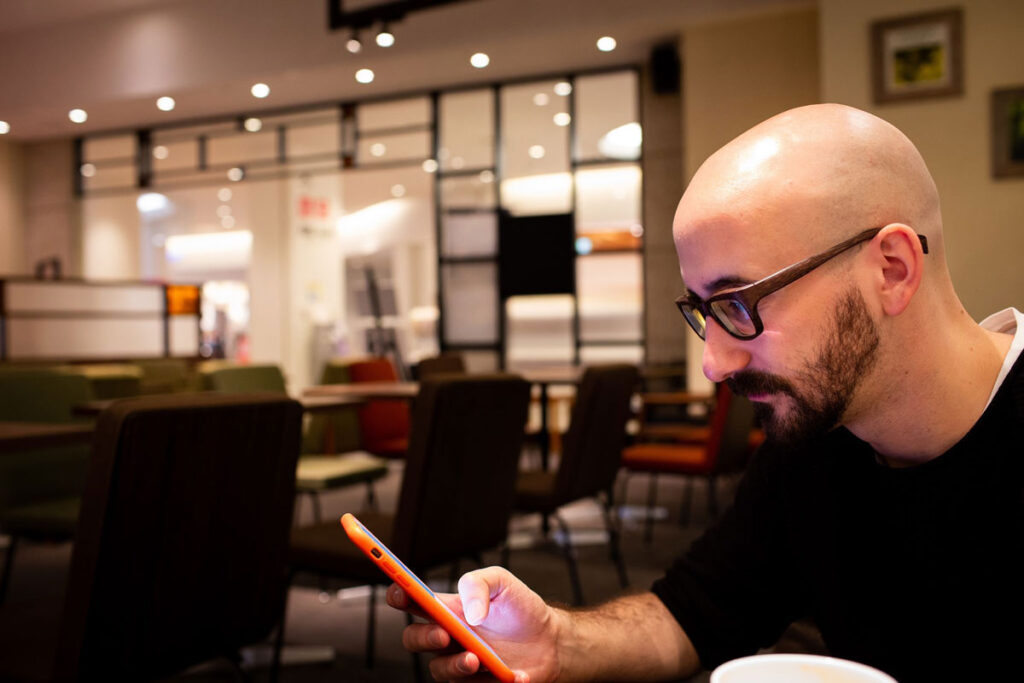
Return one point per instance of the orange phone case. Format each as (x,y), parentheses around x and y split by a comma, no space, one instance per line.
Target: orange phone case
(424,597)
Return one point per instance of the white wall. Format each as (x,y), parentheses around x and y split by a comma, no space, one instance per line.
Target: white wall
(12,210)
(983,217)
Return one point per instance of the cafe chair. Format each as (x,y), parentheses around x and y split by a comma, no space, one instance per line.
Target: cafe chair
(383,423)
(181,547)
(450,362)
(589,461)
(317,471)
(457,490)
(40,490)
(730,440)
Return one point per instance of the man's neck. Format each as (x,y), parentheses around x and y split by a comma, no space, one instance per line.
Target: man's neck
(926,412)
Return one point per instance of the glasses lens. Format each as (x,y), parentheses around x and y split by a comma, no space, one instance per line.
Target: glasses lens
(734,317)
(694,317)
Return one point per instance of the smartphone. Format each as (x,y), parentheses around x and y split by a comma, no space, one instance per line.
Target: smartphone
(424,597)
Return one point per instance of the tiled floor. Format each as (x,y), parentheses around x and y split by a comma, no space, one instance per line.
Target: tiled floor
(316,620)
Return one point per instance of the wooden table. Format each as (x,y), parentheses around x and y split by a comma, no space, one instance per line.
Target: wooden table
(24,436)
(544,377)
(366,391)
(310,404)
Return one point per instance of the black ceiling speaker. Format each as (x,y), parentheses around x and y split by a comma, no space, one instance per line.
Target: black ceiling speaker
(665,69)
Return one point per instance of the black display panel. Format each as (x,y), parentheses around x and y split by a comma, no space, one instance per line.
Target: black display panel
(536,254)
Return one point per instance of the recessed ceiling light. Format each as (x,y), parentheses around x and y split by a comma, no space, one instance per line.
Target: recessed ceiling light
(606,43)
(78,115)
(486,176)
(224,194)
(5,128)
(563,88)
(385,38)
(253,124)
(541,99)
(430,166)
(479,60)
(235,174)
(88,170)
(260,90)
(536,152)
(354,45)
(165,103)
(398,190)
(562,119)
(378,149)
(223,210)
(151,202)
(161,152)
(227,222)
(364,76)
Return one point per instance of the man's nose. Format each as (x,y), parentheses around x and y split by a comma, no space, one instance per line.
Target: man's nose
(724,355)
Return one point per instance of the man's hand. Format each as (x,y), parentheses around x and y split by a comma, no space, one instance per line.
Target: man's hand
(514,620)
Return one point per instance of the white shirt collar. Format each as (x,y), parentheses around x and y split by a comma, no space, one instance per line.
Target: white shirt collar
(1007,321)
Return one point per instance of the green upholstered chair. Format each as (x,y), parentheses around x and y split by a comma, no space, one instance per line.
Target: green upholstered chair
(40,490)
(317,472)
(111,380)
(166,376)
(338,431)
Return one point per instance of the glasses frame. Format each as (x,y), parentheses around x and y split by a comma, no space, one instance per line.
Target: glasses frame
(748,296)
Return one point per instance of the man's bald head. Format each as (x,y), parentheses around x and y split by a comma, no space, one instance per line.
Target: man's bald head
(811,177)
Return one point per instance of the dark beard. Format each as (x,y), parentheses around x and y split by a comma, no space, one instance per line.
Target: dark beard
(826,385)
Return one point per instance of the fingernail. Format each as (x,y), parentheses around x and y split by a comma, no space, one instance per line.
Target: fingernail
(463,666)
(436,639)
(474,612)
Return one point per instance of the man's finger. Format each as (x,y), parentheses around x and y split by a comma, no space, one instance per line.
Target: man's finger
(425,638)
(454,667)
(478,588)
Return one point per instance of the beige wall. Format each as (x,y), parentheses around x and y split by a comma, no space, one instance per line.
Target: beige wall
(736,74)
(12,210)
(52,214)
(984,218)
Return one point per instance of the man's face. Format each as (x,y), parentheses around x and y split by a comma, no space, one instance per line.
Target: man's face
(819,339)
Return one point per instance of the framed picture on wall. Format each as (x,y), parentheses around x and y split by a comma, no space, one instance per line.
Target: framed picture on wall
(1008,132)
(917,56)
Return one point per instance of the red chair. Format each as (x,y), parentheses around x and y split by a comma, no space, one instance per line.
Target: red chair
(384,424)
(730,440)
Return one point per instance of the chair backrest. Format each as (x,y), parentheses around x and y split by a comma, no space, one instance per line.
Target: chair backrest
(245,379)
(181,549)
(445,364)
(40,395)
(592,448)
(728,446)
(379,420)
(460,472)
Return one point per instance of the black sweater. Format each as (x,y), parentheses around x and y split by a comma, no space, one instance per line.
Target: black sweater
(916,571)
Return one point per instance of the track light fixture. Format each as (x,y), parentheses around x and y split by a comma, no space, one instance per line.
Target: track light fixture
(354,45)
(385,38)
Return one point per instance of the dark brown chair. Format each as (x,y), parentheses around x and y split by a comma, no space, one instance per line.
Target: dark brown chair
(589,461)
(181,547)
(457,491)
(448,363)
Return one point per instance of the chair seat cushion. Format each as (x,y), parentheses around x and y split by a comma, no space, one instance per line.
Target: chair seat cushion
(320,472)
(535,491)
(324,548)
(50,519)
(669,458)
(387,448)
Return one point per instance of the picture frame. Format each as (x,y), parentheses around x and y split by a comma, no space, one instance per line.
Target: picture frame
(918,56)
(1008,132)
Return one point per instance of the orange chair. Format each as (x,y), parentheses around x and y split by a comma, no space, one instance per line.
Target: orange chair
(728,446)
(384,424)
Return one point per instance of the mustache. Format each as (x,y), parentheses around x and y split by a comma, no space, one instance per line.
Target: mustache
(755,382)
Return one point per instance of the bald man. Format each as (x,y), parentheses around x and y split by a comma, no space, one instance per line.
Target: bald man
(887,504)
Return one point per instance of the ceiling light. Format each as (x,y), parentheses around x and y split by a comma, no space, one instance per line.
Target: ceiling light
(563,88)
(5,128)
(224,194)
(88,170)
(151,202)
(235,174)
(161,152)
(562,119)
(165,103)
(385,38)
(364,76)
(260,90)
(78,115)
(354,45)
(398,190)
(227,222)
(479,60)
(623,142)
(486,176)
(430,166)
(458,162)
(541,99)
(253,124)
(584,245)
(536,152)
(223,210)
(378,149)
(606,43)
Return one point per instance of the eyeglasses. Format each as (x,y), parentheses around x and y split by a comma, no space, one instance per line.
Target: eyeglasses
(736,309)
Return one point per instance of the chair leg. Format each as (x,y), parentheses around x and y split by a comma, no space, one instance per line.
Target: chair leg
(652,494)
(613,539)
(687,504)
(5,579)
(570,559)
(417,666)
(371,623)
(275,659)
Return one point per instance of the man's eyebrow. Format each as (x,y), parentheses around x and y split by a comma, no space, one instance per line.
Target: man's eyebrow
(727,282)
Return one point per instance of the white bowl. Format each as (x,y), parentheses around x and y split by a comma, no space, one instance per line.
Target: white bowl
(796,669)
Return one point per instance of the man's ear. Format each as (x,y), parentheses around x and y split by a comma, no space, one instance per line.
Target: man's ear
(898,253)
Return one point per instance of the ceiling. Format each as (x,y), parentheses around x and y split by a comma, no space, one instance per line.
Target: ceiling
(114,58)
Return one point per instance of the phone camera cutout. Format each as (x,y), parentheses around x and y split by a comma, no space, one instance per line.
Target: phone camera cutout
(375,553)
